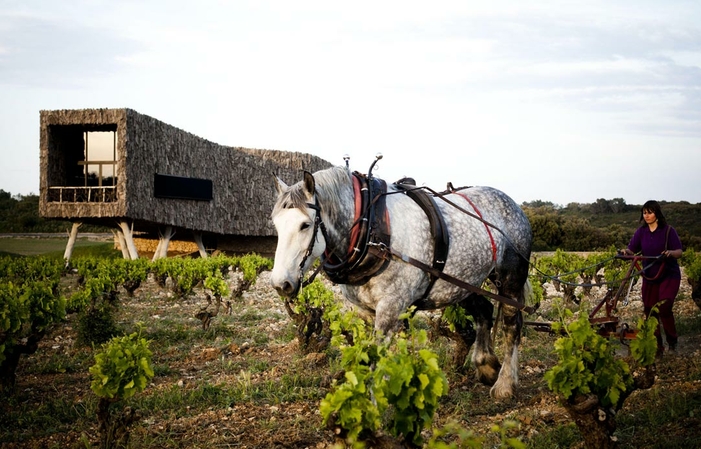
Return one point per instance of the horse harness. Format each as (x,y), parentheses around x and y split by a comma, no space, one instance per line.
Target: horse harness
(370,252)
(371,226)
(439,231)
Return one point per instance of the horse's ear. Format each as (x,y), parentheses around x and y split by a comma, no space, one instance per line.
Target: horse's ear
(280,185)
(309,183)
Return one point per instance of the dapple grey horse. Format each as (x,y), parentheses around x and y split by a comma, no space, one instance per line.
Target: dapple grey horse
(497,247)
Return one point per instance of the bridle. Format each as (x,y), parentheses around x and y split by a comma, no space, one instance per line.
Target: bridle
(366,217)
(318,224)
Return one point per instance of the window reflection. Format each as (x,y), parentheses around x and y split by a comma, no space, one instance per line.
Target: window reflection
(100,158)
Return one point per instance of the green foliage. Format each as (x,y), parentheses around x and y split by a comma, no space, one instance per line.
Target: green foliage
(24,270)
(252,265)
(644,347)
(546,224)
(314,295)
(616,269)
(122,368)
(30,303)
(96,323)
(12,315)
(465,438)
(692,265)
(352,407)
(412,382)
(503,431)
(131,272)
(26,311)
(316,312)
(20,213)
(455,315)
(567,265)
(216,283)
(188,273)
(398,375)
(586,364)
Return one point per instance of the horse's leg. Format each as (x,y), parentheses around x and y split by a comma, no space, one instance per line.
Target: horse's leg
(387,314)
(512,277)
(508,376)
(486,363)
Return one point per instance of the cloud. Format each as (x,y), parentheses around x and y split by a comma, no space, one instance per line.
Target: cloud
(39,52)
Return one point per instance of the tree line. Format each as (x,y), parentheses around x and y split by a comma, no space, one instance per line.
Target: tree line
(604,223)
(575,227)
(20,213)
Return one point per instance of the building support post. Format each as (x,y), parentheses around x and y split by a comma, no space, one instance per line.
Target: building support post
(122,243)
(163,242)
(71,242)
(157,253)
(129,238)
(200,245)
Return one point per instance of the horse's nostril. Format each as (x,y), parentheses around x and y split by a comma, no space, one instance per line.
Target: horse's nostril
(285,289)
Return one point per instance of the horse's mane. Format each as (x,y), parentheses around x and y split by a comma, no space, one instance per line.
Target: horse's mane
(328,183)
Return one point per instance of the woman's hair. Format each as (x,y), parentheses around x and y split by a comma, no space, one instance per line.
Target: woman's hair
(654,207)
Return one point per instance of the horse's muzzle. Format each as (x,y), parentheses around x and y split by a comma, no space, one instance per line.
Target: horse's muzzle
(287,289)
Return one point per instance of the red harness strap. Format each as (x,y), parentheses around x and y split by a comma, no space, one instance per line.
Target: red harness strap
(489,231)
(370,227)
(355,230)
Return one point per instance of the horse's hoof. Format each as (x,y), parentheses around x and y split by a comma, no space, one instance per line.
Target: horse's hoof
(487,369)
(499,391)
(488,373)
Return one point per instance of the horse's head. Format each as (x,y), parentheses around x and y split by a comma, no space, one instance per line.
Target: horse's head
(299,242)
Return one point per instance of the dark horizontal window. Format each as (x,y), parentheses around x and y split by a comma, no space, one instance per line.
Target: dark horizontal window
(182,188)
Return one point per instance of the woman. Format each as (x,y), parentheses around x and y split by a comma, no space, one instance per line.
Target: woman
(662,277)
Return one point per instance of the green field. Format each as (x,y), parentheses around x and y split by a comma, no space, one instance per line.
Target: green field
(54,246)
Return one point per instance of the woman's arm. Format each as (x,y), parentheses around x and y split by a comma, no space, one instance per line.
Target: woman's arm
(676,253)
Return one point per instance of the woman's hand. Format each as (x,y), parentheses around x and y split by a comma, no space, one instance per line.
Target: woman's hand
(625,252)
(676,253)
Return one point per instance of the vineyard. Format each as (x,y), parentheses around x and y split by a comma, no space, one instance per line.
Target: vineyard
(203,353)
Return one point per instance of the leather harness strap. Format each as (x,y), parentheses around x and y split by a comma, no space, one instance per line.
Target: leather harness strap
(387,252)
(439,231)
(371,226)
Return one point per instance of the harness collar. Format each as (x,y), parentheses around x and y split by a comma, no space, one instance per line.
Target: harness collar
(370,227)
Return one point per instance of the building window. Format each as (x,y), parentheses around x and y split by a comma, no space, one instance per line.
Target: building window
(100,158)
(82,163)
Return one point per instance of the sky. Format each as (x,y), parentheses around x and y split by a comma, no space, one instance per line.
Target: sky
(560,101)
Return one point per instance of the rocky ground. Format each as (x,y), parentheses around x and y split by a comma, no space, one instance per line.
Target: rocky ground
(250,354)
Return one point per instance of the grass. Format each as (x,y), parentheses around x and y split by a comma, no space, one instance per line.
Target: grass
(55,247)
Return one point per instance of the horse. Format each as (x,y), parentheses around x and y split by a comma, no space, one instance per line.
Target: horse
(489,238)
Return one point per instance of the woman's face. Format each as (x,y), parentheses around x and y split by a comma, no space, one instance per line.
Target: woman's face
(649,216)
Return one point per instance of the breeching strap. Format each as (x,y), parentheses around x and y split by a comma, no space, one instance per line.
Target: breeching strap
(382,250)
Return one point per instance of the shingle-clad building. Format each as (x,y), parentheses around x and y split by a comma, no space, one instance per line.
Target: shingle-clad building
(129,171)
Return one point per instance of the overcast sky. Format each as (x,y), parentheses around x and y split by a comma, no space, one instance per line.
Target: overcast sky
(560,101)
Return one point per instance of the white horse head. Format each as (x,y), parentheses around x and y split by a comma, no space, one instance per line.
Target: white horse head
(300,241)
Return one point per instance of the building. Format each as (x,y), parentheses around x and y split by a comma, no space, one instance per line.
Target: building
(136,174)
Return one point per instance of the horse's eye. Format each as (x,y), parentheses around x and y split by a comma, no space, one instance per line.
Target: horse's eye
(305,226)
